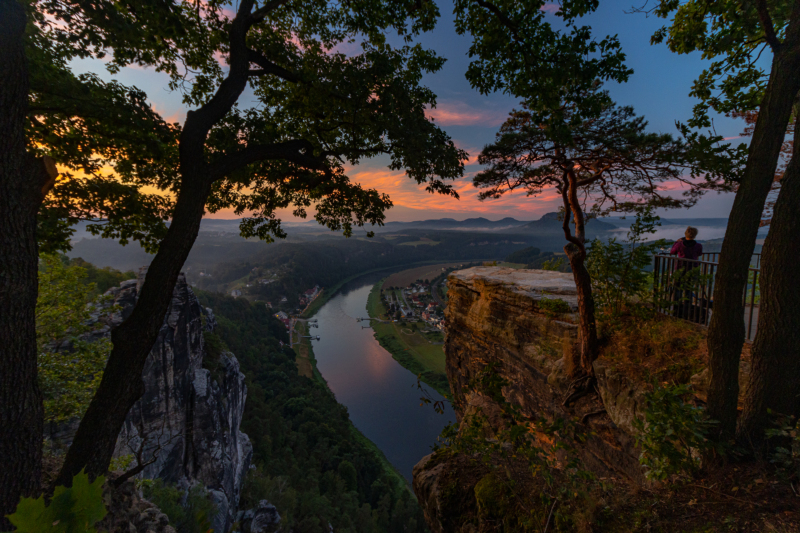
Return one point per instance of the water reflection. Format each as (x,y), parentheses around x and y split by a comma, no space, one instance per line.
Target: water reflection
(381,395)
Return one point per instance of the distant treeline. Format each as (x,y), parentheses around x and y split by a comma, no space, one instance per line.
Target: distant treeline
(303,265)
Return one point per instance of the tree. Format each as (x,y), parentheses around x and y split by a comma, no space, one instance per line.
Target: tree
(750,118)
(24,180)
(316,108)
(607,163)
(517,51)
(734,35)
(775,368)
(47,116)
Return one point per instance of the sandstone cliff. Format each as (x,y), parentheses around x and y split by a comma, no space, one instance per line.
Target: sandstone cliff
(185,428)
(500,317)
(495,316)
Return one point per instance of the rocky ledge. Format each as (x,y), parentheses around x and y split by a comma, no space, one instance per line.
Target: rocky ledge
(494,316)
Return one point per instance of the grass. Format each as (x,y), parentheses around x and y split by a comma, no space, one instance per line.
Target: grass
(409,348)
(305,358)
(517,266)
(659,347)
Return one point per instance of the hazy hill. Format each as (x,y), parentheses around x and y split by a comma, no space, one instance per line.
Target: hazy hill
(549,224)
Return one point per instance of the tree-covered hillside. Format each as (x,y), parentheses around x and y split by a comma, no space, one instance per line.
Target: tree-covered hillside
(309,462)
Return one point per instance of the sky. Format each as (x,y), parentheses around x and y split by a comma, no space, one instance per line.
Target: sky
(658,90)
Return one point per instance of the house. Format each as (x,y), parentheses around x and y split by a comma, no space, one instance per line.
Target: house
(284,299)
(280,315)
(236,293)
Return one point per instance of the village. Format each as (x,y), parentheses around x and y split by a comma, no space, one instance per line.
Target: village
(417,301)
(304,300)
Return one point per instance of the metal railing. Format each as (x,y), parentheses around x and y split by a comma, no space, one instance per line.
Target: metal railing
(713,257)
(684,288)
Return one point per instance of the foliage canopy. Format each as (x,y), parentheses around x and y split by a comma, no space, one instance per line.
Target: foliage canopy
(325,89)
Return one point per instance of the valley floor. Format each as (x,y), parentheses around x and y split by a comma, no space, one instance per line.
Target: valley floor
(418,352)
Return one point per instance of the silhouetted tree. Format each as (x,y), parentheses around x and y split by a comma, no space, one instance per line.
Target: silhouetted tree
(599,164)
(313,109)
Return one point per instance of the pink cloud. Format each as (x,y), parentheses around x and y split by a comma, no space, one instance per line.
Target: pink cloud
(550,8)
(406,193)
(461,114)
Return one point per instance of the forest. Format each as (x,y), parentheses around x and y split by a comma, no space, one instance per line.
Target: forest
(308,462)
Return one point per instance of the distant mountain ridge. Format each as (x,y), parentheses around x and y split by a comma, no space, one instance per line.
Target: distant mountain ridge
(451,223)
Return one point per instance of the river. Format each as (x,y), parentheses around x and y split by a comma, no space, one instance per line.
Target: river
(380,395)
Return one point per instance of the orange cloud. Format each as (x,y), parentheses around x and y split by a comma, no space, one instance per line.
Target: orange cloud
(406,193)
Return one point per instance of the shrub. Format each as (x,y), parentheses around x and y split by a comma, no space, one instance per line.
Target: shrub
(192,515)
(553,306)
(70,368)
(674,435)
(618,269)
(787,456)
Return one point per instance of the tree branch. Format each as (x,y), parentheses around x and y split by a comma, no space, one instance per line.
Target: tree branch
(260,13)
(298,151)
(504,20)
(268,67)
(766,22)
(48,174)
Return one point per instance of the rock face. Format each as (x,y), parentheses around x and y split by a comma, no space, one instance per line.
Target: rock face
(128,512)
(262,519)
(186,424)
(494,316)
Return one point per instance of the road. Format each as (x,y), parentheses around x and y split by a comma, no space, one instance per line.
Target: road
(435,295)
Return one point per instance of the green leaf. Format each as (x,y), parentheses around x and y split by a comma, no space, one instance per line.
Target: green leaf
(72,510)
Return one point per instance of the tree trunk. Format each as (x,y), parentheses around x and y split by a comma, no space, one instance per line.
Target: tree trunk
(726,330)
(588,327)
(576,252)
(775,376)
(21,410)
(122,383)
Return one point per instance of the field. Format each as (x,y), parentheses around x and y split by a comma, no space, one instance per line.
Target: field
(422,354)
(305,358)
(404,278)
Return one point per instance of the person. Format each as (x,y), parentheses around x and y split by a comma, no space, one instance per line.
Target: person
(688,247)
(683,293)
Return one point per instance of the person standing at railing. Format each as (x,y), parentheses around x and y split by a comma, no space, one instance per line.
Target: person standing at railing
(685,248)
(688,247)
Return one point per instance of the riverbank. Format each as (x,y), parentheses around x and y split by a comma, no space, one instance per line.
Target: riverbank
(409,348)
(306,362)
(330,292)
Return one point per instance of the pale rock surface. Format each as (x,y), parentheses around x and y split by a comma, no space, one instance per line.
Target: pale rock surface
(187,421)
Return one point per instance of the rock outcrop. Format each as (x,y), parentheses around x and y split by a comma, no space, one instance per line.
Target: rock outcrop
(186,425)
(494,316)
(128,512)
(262,519)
